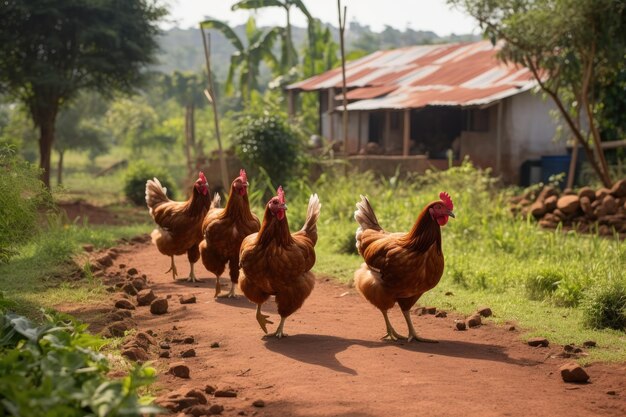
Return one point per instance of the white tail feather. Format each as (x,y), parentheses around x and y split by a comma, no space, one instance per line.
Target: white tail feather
(216,202)
(366,218)
(156,194)
(312,214)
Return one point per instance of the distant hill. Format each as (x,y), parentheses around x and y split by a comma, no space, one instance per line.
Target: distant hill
(182,48)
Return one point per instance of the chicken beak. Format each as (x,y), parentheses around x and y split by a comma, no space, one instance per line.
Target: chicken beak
(246,183)
(283,206)
(451,214)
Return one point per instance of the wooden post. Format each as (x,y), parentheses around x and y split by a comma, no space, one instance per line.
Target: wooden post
(386,135)
(572,167)
(406,139)
(210,95)
(291,105)
(342,28)
(499,140)
(359,131)
(331,115)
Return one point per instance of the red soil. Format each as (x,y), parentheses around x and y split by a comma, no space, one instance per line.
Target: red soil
(333,363)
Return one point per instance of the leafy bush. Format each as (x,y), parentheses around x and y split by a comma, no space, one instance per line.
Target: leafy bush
(21,195)
(135,181)
(606,306)
(267,141)
(53,370)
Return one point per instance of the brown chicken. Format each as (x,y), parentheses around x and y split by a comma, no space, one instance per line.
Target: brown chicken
(400,267)
(224,229)
(178,223)
(276,262)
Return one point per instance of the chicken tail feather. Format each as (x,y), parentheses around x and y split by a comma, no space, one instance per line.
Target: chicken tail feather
(364,215)
(216,202)
(366,218)
(156,194)
(312,214)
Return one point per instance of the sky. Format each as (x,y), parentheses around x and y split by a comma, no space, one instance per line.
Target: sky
(428,15)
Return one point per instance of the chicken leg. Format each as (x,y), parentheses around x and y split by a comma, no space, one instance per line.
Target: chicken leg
(218,287)
(391,333)
(279,330)
(173,270)
(412,333)
(192,275)
(262,319)
(231,293)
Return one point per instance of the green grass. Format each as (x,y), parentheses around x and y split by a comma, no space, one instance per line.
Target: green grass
(539,279)
(40,275)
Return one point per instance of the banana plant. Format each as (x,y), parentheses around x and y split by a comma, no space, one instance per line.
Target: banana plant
(289,56)
(246,60)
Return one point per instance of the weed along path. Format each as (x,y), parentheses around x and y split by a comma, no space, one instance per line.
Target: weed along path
(333,363)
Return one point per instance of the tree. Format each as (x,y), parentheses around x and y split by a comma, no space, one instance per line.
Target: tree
(76,130)
(575,50)
(289,56)
(52,49)
(136,125)
(246,60)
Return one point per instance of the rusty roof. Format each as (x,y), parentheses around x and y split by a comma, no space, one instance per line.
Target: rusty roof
(460,74)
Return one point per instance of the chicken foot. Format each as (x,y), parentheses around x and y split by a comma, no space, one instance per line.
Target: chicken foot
(231,292)
(192,275)
(279,330)
(173,270)
(262,319)
(412,333)
(391,333)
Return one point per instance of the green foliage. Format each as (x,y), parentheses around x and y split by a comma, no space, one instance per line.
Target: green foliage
(135,181)
(50,50)
(575,49)
(543,285)
(21,195)
(267,141)
(54,370)
(246,60)
(605,307)
(135,124)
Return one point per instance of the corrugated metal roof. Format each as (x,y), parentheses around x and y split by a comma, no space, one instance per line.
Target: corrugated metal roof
(426,75)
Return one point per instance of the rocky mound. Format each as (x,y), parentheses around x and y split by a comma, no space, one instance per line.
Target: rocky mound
(587,211)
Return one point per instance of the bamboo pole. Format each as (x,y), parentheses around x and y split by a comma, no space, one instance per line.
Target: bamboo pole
(342,28)
(210,95)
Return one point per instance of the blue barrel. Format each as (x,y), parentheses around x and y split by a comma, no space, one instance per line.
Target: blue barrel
(553,165)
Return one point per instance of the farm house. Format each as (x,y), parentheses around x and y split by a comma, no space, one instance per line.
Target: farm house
(417,106)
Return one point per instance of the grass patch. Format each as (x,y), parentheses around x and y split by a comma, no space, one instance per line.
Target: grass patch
(540,279)
(40,275)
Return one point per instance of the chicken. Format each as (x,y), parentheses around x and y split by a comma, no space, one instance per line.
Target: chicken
(400,267)
(276,262)
(178,223)
(224,229)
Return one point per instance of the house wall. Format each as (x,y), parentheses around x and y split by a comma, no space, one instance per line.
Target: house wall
(527,133)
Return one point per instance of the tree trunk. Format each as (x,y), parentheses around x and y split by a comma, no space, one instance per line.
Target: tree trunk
(46,139)
(60,168)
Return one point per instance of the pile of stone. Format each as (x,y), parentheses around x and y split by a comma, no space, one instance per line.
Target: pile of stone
(586,211)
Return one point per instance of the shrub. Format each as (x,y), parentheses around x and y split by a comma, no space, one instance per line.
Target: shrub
(21,195)
(53,370)
(135,181)
(267,141)
(606,307)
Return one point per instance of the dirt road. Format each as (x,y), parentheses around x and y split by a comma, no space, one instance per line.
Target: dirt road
(333,363)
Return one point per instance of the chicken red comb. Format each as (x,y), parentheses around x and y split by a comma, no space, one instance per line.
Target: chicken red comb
(446,200)
(281,194)
(202,177)
(242,174)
